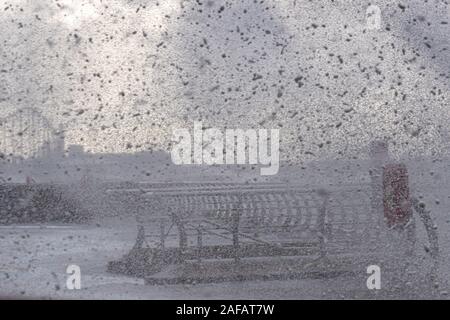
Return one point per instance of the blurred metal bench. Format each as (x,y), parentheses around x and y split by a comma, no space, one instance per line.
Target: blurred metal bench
(239,223)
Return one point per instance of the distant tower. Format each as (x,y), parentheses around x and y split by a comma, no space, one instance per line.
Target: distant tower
(379,151)
(60,142)
(379,156)
(445,141)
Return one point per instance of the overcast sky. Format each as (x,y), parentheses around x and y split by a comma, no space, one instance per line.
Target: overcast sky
(121,75)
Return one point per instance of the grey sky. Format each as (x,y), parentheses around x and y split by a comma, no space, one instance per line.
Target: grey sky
(120,75)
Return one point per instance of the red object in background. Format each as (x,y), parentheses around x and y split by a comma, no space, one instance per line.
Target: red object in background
(396,200)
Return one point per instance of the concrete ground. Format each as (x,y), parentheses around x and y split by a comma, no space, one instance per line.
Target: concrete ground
(33,262)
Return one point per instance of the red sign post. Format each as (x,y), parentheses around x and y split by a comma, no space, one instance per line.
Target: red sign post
(396,198)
